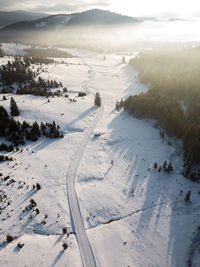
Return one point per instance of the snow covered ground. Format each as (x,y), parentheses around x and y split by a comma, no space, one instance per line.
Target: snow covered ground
(133,215)
(13,49)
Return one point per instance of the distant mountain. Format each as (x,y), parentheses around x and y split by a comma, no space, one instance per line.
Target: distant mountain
(167,15)
(148,18)
(61,21)
(7,18)
(171,17)
(180,19)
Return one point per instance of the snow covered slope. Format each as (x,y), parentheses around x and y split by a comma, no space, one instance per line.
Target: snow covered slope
(133,214)
(6,18)
(90,17)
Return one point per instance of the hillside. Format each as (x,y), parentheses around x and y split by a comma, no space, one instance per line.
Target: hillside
(7,18)
(91,17)
(173,99)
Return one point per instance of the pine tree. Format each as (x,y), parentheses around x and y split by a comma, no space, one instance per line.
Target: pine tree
(117,106)
(187,197)
(123,60)
(121,103)
(36,129)
(1,53)
(13,107)
(97,100)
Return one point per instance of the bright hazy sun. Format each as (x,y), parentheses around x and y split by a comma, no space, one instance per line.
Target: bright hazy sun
(150,7)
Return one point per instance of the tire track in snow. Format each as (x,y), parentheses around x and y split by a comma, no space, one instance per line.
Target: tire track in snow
(86,252)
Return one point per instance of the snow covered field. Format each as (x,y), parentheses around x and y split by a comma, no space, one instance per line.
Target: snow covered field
(133,215)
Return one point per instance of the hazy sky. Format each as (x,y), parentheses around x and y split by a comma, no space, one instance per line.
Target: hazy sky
(128,7)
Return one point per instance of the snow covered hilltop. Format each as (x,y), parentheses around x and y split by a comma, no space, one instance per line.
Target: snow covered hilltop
(87,18)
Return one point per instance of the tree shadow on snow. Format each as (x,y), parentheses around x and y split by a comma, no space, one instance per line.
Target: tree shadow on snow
(3,245)
(70,127)
(125,141)
(129,141)
(42,143)
(58,240)
(30,194)
(58,257)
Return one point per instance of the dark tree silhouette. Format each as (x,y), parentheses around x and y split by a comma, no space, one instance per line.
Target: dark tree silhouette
(14,111)
(97,100)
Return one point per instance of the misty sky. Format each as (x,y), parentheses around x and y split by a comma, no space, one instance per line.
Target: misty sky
(128,7)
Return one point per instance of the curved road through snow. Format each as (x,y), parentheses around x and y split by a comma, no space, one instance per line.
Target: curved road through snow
(77,223)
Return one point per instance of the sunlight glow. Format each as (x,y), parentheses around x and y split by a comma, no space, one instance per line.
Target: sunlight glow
(145,7)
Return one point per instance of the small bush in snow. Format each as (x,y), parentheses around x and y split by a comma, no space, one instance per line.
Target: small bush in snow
(64,230)
(82,94)
(33,203)
(38,186)
(37,211)
(187,197)
(65,246)
(5,158)
(19,246)
(9,238)
(162,134)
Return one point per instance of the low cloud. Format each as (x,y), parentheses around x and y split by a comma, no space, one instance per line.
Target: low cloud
(10,5)
(53,6)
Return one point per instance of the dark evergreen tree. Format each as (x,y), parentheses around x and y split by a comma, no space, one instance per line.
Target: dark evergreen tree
(97,100)
(1,53)
(174,78)
(117,107)
(121,103)
(81,94)
(14,111)
(187,197)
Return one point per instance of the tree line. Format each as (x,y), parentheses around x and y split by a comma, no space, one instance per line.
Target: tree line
(1,53)
(19,72)
(17,133)
(47,53)
(174,96)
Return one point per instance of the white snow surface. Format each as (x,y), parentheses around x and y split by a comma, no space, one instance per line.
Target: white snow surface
(133,215)
(41,24)
(12,49)
(58,21)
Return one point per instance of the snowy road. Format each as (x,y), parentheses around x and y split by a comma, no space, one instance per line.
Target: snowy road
(77,223)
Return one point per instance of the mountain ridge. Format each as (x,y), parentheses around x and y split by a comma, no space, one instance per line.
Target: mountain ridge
(89,17)
(11,17)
